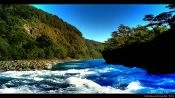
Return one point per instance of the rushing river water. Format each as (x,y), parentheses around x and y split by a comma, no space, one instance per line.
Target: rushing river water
(88,76)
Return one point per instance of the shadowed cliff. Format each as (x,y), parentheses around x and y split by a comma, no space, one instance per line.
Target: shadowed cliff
(156,56)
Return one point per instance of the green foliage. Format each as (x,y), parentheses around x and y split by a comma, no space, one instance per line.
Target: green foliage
(95,48)
(30,33)
(17,52)
(135,35)
(4,49)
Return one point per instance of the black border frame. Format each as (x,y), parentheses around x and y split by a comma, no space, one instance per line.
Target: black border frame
(85,2)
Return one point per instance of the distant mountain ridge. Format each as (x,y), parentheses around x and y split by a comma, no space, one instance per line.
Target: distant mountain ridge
(30,33)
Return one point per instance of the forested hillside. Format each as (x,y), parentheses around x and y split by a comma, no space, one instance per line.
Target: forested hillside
(30,33)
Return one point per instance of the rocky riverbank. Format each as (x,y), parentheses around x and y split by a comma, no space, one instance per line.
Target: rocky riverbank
(25,65)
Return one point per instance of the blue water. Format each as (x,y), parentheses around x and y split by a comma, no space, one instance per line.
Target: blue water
(87,76)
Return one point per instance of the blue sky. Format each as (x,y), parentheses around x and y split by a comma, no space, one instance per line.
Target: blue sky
(97,21)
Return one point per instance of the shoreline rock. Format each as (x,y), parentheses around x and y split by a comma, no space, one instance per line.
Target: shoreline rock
(27,65)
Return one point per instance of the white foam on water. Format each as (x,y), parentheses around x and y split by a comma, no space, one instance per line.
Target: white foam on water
(77,82)
(8,90)
(20,89)
(134,86)
(27,76)
(88,86)
(55,80)
(82,72)
(108,69)
(38,75)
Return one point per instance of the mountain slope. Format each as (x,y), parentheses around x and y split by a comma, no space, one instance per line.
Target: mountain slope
(29,33)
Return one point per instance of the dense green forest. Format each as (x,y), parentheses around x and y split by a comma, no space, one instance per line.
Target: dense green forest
(30,33)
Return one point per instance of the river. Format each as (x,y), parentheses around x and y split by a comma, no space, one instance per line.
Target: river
(87,77)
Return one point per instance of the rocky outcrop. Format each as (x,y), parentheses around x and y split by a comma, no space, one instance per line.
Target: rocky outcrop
(156,56)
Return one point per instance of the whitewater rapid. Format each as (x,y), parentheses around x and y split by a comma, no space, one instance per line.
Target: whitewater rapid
(86,77)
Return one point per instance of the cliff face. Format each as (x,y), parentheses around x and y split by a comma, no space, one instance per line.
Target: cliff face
(29,33)
(156,56)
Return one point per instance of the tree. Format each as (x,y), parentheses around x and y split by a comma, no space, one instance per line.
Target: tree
(149,17)
(122,29)
(120,38)
(165,18)
(153,23)
(142,34)
(115,34)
